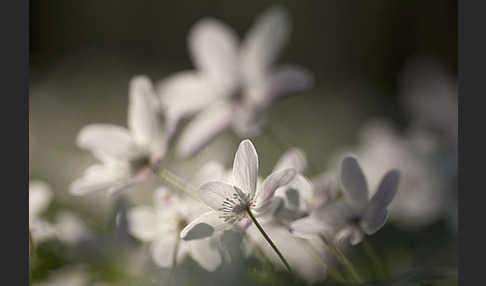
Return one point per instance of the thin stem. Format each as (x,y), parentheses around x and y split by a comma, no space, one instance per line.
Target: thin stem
(333,272)
(177,182)
(267,238)
(174,259)
(370,251)
(342,258)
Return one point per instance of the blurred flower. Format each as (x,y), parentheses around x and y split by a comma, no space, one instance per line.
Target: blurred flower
(40,196)
(127,155)
(430,95)
(291,202)
(230,203)
(161,225)
(72,276)
(349,219)
(233,85)
(70,229)
(423,195)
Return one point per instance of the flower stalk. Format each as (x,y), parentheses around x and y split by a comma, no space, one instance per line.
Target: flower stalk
(267,238)
(342,258)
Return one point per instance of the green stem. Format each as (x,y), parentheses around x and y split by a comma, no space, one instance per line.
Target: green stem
(333,272)
(379,267)
(342,258)
(267,238)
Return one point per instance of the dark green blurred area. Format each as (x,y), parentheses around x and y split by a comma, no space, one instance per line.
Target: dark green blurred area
(82,54)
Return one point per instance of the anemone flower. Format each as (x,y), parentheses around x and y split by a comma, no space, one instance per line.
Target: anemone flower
(234,84)
(161,225)
(238,204)
(356,215)
(127,155)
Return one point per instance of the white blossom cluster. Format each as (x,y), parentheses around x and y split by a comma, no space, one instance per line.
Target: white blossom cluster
(233,85)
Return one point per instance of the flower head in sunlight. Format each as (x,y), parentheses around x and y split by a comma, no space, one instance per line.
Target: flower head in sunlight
(230,203)
(126,155)
(161,225)
(355,215)
(235,83)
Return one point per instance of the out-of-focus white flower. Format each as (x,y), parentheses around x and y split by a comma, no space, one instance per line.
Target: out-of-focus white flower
(230,203)
(349,219)
(233,84)
(291,202)
(70,229)
(430,94)
(40,196)
(126,155)
(423,197)
(161,225)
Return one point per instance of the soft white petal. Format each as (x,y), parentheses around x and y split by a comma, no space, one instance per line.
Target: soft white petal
(307,226)
(297,194)
(214,50)
(245,168)
(70,228)
(354,183)
(185,93)
(108,142)
(349,234)
(142,223)
(40,196)
(203,128)
(288,79)
(270,185)
(163,250)
(206,253)
(292,158)
(101,177)
(204,226)
(264,42)
(143,119)
(375,214)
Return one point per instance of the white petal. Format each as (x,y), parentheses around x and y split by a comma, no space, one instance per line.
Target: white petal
(214,50)
(375,214)
(305,227)
(288,79)
(143,119)
(349,234)
(292,158)
(206,253)
(163,250)
(101,177)
(40,196)
(203,128)
(270,185)
(264,42)
(70,228)
(354,183)
(204,226)
(185,93)
(245,168)
(108,142)
(297,194)
(142,223)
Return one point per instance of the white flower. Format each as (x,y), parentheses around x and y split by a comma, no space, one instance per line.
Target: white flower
(350,219)
(233,84)
(161,225)
(126,155)
(290,202)
(40,196)
(230,203)
(423,197)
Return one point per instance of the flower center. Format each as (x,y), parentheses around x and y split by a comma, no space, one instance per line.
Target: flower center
(234,207)
(139,162)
